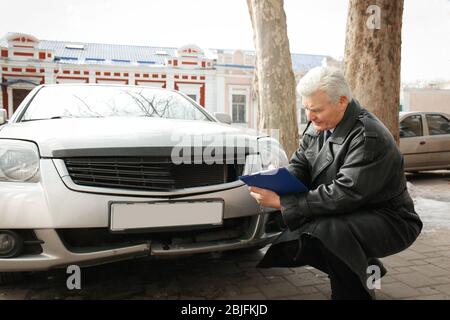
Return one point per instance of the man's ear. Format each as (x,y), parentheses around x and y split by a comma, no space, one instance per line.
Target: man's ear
(343,101)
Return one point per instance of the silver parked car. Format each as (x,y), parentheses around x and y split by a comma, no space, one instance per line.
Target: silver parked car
(425,140)
(96,173)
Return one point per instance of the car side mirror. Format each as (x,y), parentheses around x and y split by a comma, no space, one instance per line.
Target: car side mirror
(223,117)
(3,116)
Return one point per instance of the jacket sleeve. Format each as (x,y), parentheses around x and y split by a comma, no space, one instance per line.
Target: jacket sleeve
(362,175)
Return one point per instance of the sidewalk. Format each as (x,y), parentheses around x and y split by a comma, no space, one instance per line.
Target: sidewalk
(421,272)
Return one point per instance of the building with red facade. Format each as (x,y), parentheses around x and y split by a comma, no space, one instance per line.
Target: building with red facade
(219,80)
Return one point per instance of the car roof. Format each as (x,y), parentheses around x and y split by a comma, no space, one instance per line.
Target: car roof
(406,113)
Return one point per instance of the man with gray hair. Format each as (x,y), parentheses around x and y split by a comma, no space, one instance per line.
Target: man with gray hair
(358,208)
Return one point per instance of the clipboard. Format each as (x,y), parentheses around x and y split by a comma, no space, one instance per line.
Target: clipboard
(279,180)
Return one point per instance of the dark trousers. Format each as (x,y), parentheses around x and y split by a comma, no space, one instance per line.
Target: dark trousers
(345,284)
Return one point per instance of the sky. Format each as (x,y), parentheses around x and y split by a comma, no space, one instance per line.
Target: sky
(314,26)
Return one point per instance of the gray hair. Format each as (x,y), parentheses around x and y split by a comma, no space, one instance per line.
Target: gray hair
(329,79)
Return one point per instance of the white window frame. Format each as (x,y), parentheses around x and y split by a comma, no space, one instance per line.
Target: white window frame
(151,84)
(190,88)
(239,90)
(68,80)
(100,81)
(19,85)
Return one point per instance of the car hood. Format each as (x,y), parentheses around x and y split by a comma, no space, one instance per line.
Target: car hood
(107,136)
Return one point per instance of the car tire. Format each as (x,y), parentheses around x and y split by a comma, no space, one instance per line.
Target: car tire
(10,277)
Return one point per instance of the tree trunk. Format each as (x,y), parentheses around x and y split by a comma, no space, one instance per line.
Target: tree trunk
(274,76)
(372,57)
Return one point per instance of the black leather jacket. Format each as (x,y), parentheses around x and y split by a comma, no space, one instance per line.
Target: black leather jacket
(359,166)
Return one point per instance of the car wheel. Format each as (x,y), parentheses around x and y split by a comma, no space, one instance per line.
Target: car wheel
(10,277)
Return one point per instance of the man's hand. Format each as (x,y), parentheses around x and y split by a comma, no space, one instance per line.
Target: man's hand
(266,198)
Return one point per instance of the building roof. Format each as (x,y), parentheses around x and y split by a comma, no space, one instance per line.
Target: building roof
(97,53)
(116,54)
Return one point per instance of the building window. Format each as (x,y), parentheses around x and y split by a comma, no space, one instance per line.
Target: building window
(239,105)
(192,96)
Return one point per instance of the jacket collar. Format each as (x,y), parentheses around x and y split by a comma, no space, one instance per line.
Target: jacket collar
(343,127)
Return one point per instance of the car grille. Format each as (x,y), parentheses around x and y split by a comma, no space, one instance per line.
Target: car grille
(148,173)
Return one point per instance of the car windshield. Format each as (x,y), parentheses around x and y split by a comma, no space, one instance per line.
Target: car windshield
(56,102)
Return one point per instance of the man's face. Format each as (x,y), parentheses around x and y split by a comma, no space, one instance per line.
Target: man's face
(322,112)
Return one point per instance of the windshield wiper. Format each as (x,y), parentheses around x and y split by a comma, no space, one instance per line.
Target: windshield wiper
(57,117)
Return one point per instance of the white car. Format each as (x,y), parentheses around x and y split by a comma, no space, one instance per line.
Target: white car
(96,173)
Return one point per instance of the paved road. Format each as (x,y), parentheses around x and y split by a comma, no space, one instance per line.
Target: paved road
(431,193)
(421,272)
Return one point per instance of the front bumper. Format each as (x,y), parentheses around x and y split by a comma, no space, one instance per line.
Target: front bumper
(56,255)
(51,205)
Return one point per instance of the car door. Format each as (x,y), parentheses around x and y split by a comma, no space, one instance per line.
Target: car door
(412,142)
(438,139)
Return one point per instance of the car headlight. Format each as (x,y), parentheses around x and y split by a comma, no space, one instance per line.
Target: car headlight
(19,160)
(270,156)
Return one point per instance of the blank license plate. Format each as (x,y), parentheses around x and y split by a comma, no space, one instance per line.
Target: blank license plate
(165,214)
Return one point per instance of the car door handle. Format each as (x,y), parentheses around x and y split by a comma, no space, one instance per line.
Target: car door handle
(422,142)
